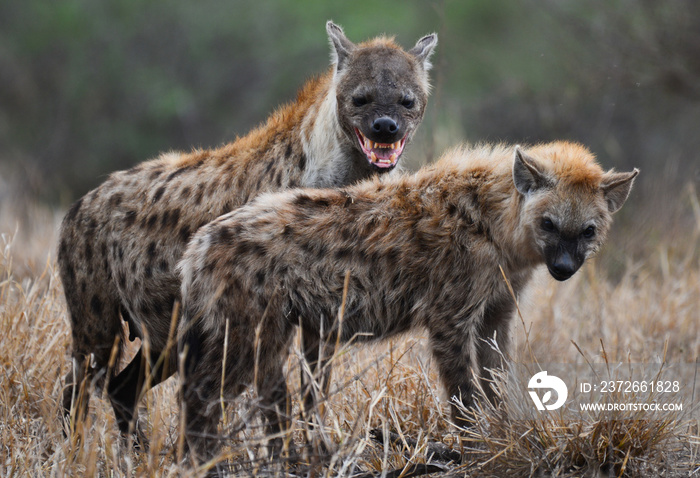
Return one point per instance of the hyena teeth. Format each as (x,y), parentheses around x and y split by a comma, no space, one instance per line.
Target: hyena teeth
(393,157)
(373,156)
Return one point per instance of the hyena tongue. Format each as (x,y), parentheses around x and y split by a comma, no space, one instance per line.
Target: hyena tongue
(382,155)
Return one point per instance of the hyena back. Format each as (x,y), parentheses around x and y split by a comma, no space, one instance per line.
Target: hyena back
(422,251)
(120,243)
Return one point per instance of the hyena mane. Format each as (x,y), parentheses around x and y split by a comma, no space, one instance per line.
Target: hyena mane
(119,244)
(428,250)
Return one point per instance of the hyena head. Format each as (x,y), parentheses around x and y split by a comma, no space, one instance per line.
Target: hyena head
(569,202)
(381,93)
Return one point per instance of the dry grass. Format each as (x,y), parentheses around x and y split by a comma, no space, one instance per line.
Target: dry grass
(651,313)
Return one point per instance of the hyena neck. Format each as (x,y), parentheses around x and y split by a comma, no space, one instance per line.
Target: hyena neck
(332,159)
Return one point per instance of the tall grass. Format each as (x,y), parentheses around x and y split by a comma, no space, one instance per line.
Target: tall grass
(385,410)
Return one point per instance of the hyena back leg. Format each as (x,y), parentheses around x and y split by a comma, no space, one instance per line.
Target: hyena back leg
(96,332)
(270,383)
(200,390)
(126,389)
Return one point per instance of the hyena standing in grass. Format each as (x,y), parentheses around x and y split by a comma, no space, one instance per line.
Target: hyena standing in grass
(120,243)
(422,251)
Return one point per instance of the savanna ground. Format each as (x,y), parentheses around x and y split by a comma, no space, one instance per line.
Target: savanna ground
(643,310)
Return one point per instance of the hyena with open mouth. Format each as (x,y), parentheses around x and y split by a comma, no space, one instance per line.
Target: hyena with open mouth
(120,243)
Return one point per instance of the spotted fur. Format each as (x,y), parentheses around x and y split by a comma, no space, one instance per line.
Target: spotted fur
(120,243)
(424,251)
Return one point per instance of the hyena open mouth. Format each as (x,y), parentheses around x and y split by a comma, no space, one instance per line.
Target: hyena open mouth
(381,155)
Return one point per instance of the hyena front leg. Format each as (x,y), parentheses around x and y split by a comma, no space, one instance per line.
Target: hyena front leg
(453,349)
(494,325)
(315,380)
(314,388)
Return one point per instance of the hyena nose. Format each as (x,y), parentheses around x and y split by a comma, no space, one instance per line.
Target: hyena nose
(384,127)
(564,267)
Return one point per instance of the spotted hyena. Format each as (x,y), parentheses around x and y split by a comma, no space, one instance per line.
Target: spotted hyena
(421,251)
(119,244)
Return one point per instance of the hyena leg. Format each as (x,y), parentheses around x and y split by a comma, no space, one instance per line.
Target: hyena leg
(314,388)
(200,391)
(453,349)
(96,332)
(275,405)
(315,380)
(495,323)
(126,389)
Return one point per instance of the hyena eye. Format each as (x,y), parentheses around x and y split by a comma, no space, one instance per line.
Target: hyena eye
(588,232)
(407,102)
(359,100)
(548,225)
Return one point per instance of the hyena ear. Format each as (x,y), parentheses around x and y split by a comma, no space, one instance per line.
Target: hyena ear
(341,46)
(616,187)
(527,173)
(423,49)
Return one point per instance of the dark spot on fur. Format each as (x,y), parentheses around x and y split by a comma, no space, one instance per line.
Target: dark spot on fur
(163,265)
(287,230)
(70,274)
(228,207)
(88,252)
(185,193)
(133,267)
(96,305)
(346,233)
(151,249)
(158,194)
(222,235)
(302,200)
(176,173)
(288,152)
(198,196)
(185,233)
(116,199)
(171,218)
(260,277)
(348,200)
(269,165)
(129,218)
(155,173)
(122,281)
(152,220)
(302,162)
(148,271)
(343,253)
(278,179)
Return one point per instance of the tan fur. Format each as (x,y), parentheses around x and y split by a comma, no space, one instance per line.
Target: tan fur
(423,251)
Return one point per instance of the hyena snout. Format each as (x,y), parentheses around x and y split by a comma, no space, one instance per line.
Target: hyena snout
(563,260)
(385,130)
